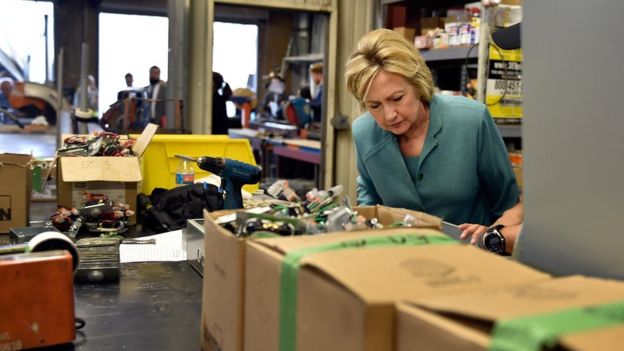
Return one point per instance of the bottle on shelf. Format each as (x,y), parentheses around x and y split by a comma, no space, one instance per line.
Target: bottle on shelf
(185,174)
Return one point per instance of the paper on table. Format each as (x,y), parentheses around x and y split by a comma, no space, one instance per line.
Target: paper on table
(168,247)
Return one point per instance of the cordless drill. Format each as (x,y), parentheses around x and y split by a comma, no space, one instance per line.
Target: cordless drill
(234,174)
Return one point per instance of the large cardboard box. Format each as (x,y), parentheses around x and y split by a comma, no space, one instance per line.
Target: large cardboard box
(224,275)
(466,321)
(117,177)
(15,190)
(344,299)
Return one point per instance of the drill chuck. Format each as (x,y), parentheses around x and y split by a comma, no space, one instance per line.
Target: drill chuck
(214,165)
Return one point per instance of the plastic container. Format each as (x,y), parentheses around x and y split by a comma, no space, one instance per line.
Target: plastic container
(159,164)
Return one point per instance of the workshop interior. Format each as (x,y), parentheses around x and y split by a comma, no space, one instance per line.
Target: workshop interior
(251,175)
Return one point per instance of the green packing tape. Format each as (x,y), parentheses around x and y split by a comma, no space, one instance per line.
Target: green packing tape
(534,332)
(290,270)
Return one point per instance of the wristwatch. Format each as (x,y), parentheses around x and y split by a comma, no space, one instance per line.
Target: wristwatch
(493,240)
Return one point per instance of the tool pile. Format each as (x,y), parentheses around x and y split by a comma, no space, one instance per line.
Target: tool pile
(98,215)
(320,212)
(99,144)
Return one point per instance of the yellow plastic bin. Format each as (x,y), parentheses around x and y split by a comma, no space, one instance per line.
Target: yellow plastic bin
(159,163)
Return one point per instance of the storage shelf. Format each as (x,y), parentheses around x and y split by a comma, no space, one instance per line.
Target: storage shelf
(305,58)
(510,130)
(452,53)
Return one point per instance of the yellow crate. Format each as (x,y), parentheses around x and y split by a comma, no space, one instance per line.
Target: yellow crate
(159,163)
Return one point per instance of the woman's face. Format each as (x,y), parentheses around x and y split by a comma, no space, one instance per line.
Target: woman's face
(393,102)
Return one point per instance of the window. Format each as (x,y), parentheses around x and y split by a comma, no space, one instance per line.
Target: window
(130,44)
(23,40)
(235,56)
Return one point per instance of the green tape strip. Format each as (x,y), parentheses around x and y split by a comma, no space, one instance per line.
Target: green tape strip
(534,332)
(290,269)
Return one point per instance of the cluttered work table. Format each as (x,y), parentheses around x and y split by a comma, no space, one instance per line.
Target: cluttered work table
(154,305)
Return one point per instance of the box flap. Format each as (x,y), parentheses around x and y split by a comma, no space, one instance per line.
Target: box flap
(413,272)
(20,160)
(286,244)
(110,169)
(144,139)
(528,298)
(603,339)
(421,219)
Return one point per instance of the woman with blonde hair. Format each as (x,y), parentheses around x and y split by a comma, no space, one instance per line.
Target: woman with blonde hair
(437,154)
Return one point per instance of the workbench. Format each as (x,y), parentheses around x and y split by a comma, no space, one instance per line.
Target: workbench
(154,306)
(271,149)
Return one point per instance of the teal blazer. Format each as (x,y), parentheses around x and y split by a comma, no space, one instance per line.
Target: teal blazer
(462,175)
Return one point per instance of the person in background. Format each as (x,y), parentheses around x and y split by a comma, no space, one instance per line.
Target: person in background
(221,93)
(316,70)
(275,95)
(129,80)
(92,95)
(130,91)
(154,95)
(438,154)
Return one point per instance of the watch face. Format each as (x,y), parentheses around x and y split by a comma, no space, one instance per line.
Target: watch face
(494,242)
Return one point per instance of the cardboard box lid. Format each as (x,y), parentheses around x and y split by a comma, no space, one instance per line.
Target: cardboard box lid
(144,139)
(20,160)
(527,299)
(476,311)
(423,270)
(388,215)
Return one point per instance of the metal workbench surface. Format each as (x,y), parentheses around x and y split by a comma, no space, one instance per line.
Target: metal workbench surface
(155,306)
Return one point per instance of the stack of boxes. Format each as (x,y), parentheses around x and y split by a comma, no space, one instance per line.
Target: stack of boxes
(392,289)
(335,291)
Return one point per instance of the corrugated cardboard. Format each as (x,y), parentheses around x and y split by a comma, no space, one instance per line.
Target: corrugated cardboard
(37,303)
(15,190)
(407,33)
(464,321)
(224,275)
(117,177)
(346,298)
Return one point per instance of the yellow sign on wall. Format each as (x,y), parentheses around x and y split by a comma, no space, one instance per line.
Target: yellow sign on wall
(503,94)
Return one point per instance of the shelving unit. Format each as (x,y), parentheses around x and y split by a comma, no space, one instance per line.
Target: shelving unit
(452,66)
(510,130)
(452,53)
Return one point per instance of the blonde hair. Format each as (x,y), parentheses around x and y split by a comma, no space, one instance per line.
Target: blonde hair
(384,49)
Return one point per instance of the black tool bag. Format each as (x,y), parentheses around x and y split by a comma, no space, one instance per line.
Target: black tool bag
(167,210)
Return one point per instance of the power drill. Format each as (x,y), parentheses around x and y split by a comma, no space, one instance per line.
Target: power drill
(234,174)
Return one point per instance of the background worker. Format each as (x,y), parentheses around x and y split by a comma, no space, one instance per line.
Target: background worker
(437,154)
(316,71)
(155,94)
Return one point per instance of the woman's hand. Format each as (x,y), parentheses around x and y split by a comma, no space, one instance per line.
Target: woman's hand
(472,230)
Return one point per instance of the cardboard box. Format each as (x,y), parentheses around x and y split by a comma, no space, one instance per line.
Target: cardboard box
(406,32)
(224,275)
(117,177)
(345,298)
(465,321)
(15,190)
